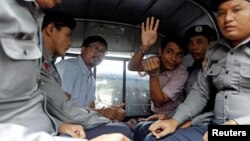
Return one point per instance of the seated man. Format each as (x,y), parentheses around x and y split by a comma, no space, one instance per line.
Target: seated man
(56,31)
(22,103)
(166,74)
(78,81)
(198,39)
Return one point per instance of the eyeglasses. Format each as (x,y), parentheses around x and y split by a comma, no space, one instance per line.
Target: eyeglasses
(95,49)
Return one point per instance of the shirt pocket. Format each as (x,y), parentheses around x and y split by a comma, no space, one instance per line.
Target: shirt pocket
(245,78)
(20,49)
(215,73)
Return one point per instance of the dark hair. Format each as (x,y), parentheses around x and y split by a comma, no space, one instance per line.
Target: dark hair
(59,19)
(216,3)
(176,39)
(94,38)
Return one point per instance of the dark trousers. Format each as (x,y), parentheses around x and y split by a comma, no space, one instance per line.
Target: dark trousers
(109,128)
(194,133)
(141,130)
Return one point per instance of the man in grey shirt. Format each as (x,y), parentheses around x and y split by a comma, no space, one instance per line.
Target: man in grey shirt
(226,67)
(21,101)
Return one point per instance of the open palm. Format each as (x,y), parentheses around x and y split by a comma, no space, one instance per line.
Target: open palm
(149,32)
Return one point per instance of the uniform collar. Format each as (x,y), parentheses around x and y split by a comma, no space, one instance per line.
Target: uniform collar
(47,56)
(226,43)
(244,42)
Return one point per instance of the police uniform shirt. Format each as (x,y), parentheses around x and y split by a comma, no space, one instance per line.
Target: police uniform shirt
(193,74)
(227,68)
(21,102)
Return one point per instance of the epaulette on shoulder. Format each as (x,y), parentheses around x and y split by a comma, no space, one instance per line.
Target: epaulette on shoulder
(214,44)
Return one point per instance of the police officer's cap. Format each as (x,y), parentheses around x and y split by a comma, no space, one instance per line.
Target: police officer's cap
(203,30)
(59,18)
(216,3)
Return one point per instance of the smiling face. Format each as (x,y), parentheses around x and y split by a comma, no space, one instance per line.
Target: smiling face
(93,54)
(233,20)
(171,56)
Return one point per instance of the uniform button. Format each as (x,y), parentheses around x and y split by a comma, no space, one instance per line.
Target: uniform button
(211,71)
(226,72)
(25,52)
(231,53)
(226,97)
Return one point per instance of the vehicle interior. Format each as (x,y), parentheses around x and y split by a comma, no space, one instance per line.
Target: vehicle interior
(118,21)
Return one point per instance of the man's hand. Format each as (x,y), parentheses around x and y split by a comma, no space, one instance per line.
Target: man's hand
(205,137)
(149,33)
(76,131)
(152,65)
(111,137)
(162,128)
(116,112)
(186,124)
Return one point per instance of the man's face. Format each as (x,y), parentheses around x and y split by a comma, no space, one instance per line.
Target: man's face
(233,20)
(171,56)
(61,40)
(93,54)
(197,46)
(47,3)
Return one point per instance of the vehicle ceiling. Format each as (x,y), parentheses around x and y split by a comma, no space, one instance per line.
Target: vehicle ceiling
(176,16)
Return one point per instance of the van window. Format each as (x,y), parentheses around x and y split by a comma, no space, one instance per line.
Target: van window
(116,84)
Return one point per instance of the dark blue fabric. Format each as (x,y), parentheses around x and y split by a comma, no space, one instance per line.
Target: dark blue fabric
(141,130)
(194,133)
(109,128)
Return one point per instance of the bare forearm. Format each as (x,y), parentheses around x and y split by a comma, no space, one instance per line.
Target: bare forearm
(135,63)
(156,93)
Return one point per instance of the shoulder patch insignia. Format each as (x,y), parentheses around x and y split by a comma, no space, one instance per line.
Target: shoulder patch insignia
(46,67)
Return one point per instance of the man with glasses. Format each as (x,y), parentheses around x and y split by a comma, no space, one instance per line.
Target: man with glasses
(78,81)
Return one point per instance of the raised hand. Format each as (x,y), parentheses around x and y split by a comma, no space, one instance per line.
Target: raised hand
(149,32)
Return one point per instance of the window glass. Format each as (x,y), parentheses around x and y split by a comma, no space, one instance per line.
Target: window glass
(109,83)
(137,93)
